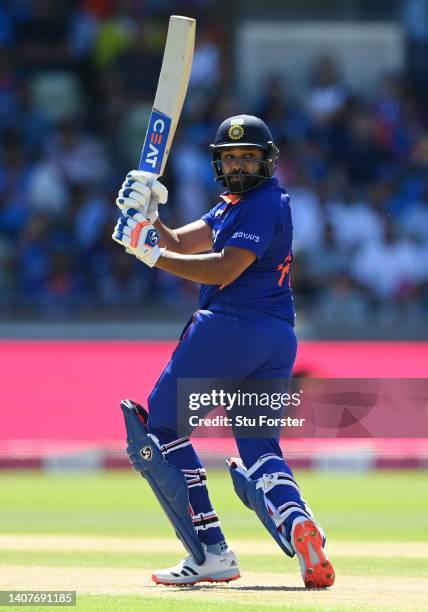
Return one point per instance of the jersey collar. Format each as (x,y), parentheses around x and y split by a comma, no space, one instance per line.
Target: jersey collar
(231,198)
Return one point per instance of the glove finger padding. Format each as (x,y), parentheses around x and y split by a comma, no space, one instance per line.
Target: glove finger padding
(132,214)
(125,203)
(126,221)
(142,191)
(141,233)
(121,238)
(130,197)
(141,176)
(126,226)
(159,196)
(139,238)
(126,231)
(160,191)
(156,187)
(120,232)
(124,240)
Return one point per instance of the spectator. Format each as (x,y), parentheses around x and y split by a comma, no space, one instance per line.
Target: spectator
(78,157)
(327,94)
(389,269)
(354,222)
(206,62)
(356,166)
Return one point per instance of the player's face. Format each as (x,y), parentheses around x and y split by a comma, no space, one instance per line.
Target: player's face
(241,160)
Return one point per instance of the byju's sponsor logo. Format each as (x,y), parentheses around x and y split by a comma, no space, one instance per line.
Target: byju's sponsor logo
(252,237)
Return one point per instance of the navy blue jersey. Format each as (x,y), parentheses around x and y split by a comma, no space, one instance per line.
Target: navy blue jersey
(259,221)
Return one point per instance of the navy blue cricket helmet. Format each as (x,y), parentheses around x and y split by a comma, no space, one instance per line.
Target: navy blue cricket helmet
(244,131)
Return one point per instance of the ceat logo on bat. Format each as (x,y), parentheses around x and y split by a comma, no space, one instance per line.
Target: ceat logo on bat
(155,142)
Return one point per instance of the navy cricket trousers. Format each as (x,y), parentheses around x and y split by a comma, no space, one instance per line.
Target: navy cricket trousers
(224,343)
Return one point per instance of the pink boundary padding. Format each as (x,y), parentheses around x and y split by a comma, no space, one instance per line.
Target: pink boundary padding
(70,390)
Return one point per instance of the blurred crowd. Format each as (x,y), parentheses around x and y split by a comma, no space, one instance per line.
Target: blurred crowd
(77,81)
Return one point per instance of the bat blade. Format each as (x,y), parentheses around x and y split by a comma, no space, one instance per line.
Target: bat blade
(170,94)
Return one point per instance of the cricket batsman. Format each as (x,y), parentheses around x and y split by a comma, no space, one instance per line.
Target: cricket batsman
(240,251)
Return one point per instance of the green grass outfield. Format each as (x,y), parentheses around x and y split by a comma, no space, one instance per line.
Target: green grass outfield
(102,534)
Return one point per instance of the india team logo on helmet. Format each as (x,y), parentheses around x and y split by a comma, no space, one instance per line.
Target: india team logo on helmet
(236,132)
(244,131)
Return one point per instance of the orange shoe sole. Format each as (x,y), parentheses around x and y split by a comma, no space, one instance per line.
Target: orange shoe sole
(179,584)
(318,574)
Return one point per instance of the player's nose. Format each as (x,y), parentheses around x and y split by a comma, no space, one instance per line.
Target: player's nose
(237,165)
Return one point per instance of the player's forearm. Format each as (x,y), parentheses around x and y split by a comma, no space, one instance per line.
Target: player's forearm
(211,268)
(169,238)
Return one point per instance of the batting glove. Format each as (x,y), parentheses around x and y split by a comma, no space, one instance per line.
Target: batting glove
(138,236)
(141,191)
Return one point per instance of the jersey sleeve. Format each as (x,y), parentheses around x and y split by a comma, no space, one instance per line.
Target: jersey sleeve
(254,230)
(209,217)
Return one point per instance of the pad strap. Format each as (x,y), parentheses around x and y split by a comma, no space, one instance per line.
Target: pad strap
(195,478)
(269,481)
(254,498)
(175,445)
(205,520)
(289,507)
(260,461)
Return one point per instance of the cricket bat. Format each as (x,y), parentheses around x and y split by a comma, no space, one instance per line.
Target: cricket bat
(170,94)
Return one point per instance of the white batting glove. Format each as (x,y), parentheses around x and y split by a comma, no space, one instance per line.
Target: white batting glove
(138,236)
(141,191)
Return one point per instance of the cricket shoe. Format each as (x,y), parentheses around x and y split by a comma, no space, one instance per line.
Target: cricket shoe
(307,541)
(216,568)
